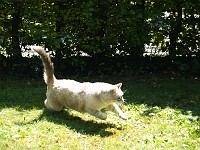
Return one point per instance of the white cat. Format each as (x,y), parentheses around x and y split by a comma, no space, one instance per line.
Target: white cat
(83,97)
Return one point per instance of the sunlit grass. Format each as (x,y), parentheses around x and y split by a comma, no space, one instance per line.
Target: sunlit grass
(163,114)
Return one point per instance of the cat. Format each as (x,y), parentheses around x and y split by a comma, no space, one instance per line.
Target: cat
(84,97)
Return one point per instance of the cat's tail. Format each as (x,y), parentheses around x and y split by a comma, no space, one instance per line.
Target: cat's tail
(48,65)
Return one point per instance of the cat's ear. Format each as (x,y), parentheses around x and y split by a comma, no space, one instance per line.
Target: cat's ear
(119,85)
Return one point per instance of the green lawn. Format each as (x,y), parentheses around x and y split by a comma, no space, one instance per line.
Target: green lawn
(163,114)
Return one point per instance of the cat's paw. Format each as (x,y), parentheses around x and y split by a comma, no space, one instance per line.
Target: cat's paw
(123,116)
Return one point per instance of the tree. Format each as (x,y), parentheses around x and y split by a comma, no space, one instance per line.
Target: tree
(100,29)
(178,22)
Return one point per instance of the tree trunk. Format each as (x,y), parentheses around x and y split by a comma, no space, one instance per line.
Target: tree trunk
(59,27)
(175,30)
(16,21)
(136,51)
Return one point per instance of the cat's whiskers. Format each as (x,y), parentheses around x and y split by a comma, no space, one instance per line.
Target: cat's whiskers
(125,91)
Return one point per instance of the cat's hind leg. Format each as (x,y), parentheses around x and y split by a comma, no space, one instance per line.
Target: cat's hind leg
(96,113)
(116,109)
(53,106)
(47,105)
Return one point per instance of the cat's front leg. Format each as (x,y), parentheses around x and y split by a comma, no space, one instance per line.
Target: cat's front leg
(116,109)
(96,113)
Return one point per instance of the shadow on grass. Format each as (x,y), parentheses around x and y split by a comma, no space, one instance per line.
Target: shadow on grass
(77,124)
(22,94)
(180,93)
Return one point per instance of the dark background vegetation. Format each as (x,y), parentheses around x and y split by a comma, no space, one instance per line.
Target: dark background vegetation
(112,34)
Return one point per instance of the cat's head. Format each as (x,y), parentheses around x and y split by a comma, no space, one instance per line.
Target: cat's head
(114,93)
(117,93)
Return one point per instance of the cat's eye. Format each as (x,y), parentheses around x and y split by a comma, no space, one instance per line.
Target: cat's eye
(120,98)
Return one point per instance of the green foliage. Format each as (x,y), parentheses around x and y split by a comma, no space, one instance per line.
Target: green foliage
(104,27)
(178,22)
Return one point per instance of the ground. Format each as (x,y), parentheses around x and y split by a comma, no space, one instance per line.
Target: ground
(163,114)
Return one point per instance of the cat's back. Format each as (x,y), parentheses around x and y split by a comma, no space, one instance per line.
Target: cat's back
(71,85)
(76,87)
(66,84)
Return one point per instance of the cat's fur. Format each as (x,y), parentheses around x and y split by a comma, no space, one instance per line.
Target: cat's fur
(83,97)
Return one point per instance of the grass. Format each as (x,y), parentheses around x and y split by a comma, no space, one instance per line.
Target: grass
(163,114)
